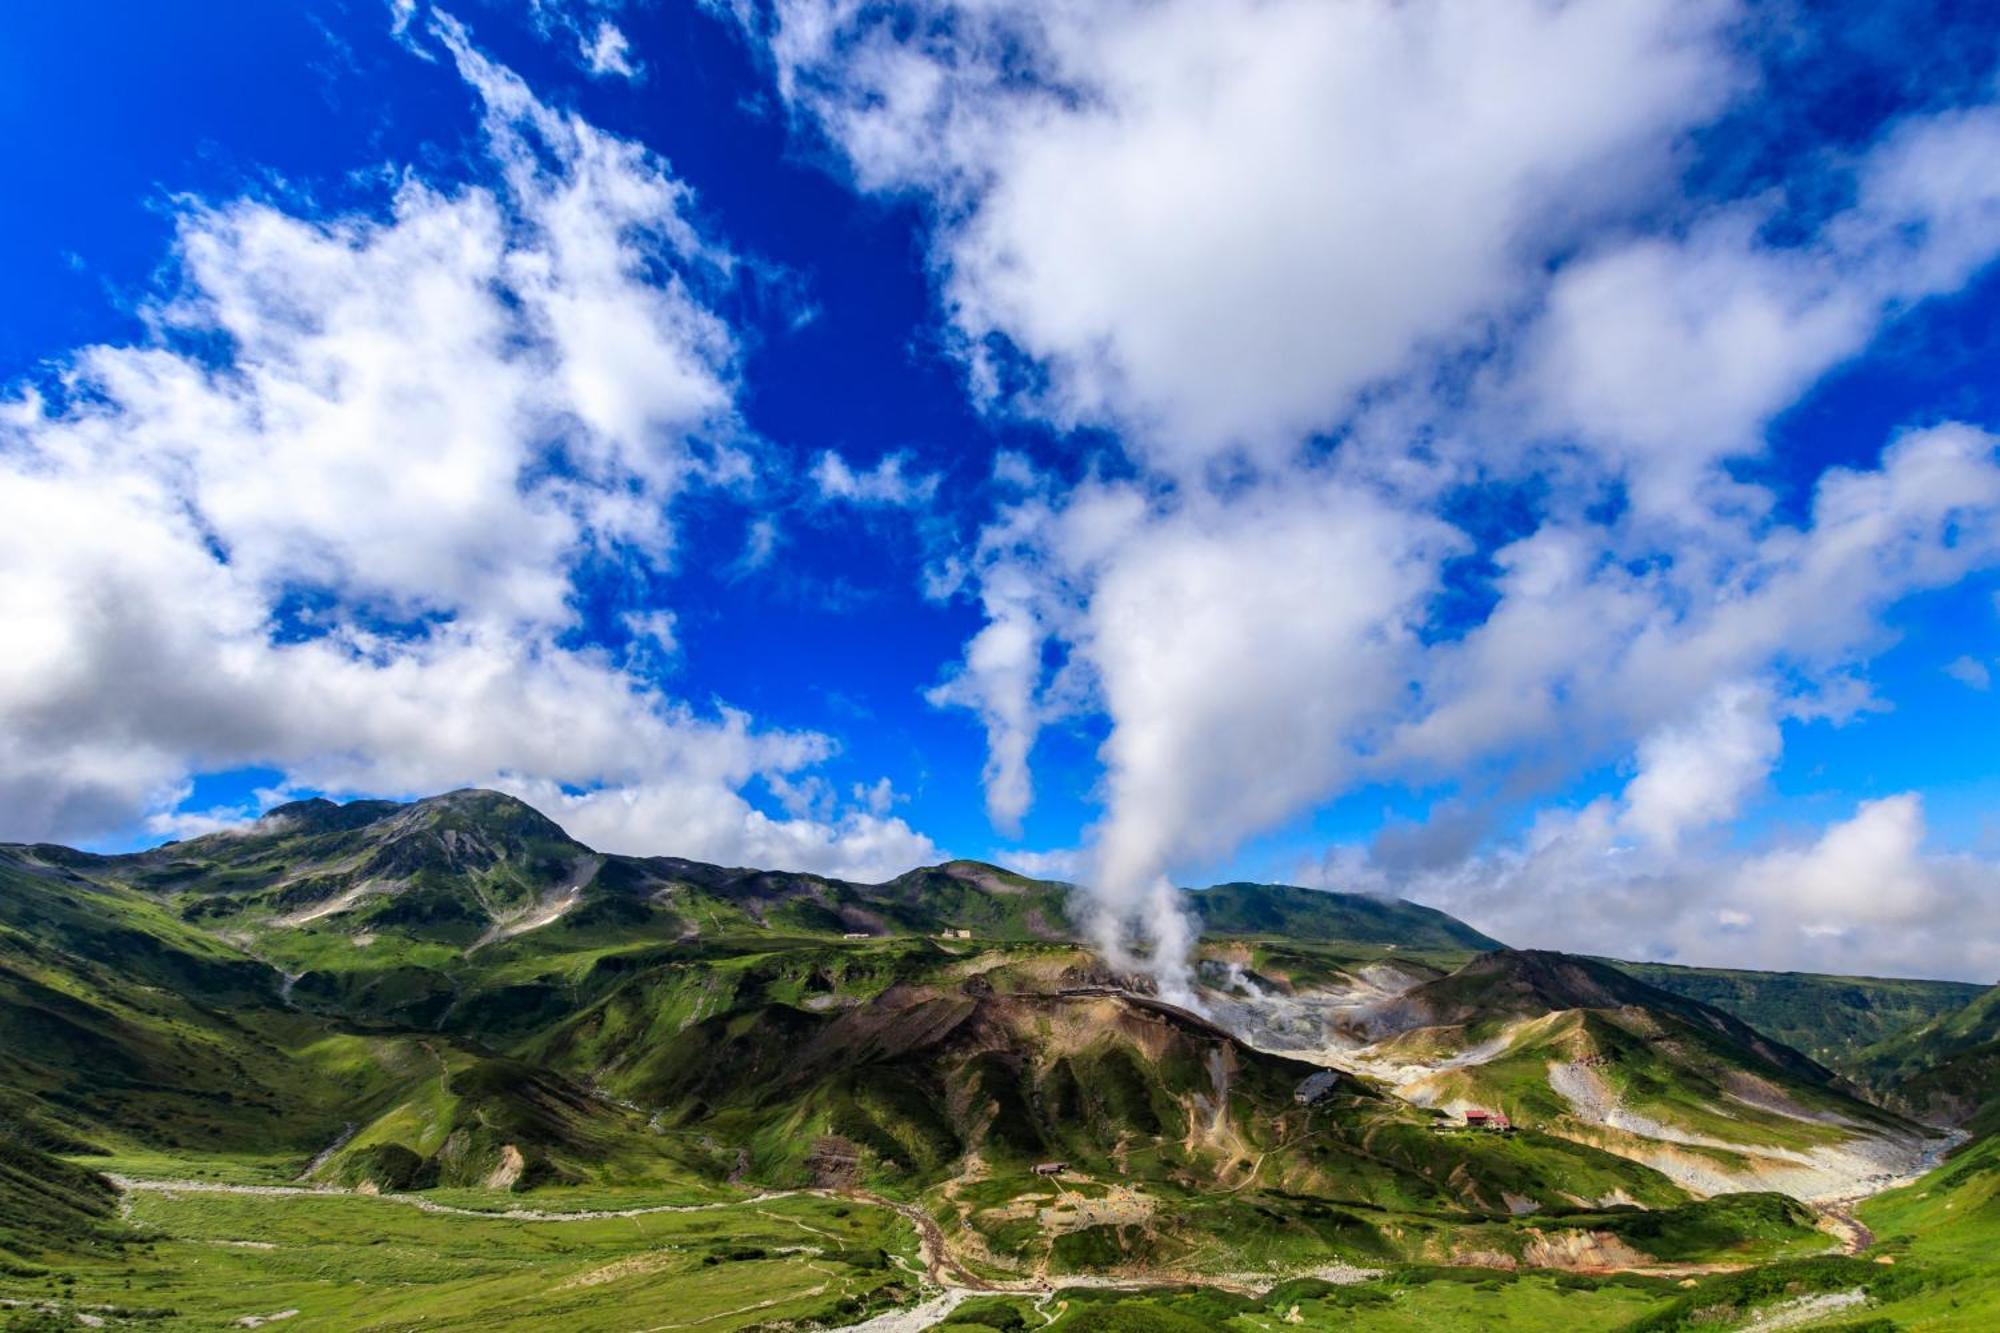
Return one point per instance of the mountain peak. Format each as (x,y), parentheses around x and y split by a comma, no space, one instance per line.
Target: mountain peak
(316,814)
(1558,980)
(465,808)
(481,803)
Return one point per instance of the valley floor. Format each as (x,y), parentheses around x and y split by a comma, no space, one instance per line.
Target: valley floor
(229,1253)
(227,1244)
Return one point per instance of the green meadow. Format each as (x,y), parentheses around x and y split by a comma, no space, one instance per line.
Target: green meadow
(346,1261)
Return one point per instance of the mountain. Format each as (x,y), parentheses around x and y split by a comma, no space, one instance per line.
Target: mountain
(1484,996)
(119,1022)
(397,914)
(456,869)
(1583,1051)
(473,867)
(1946,1071)
(1831,1018)
(1313,914)
(452,995)
(487,1122)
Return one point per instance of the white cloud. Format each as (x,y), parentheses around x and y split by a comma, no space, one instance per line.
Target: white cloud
(346,550)
(878,797)
(655,630)
(1000,678)
(1864,896)
(1699,773)
(1258,651)
(884,485)
(1620,875)
(1063,864)
(1451,234)
(402,13)
(1970,672)
(1674,352)
(600,47)
(706,819)
(607,51)
(183,824)
(1210,225)
(1580,638)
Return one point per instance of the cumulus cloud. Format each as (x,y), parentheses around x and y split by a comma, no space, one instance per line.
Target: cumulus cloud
(1000,678)
(182,824)
(704,811)
(345,544)
(1673,352)
(1698,773)
(1209,226)
(1325,269)
(1259,651)
(1863,896)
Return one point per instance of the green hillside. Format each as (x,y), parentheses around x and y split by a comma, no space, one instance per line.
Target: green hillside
(1512,984)
(1831,1018)
(1312,914)
(1947,1070)
(1942,1231)
(377,1024)
(51,1209)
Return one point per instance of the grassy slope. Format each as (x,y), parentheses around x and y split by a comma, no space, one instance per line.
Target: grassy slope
(1947,1070)
(1830,1018)
(51,1209)
(1289,912)
(1944,1230)
(1658,1066)
(926,1055)
(1510,984)
(1929,1270)
(119,1021)
(277,1082)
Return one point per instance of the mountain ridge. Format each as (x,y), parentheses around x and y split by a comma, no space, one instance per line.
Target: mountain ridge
(370,850)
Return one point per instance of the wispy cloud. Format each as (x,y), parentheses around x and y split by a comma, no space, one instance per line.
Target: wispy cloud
(885,485)
(1970,672)
(607,52)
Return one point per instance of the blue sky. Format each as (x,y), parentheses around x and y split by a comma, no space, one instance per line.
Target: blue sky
(1530,458)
